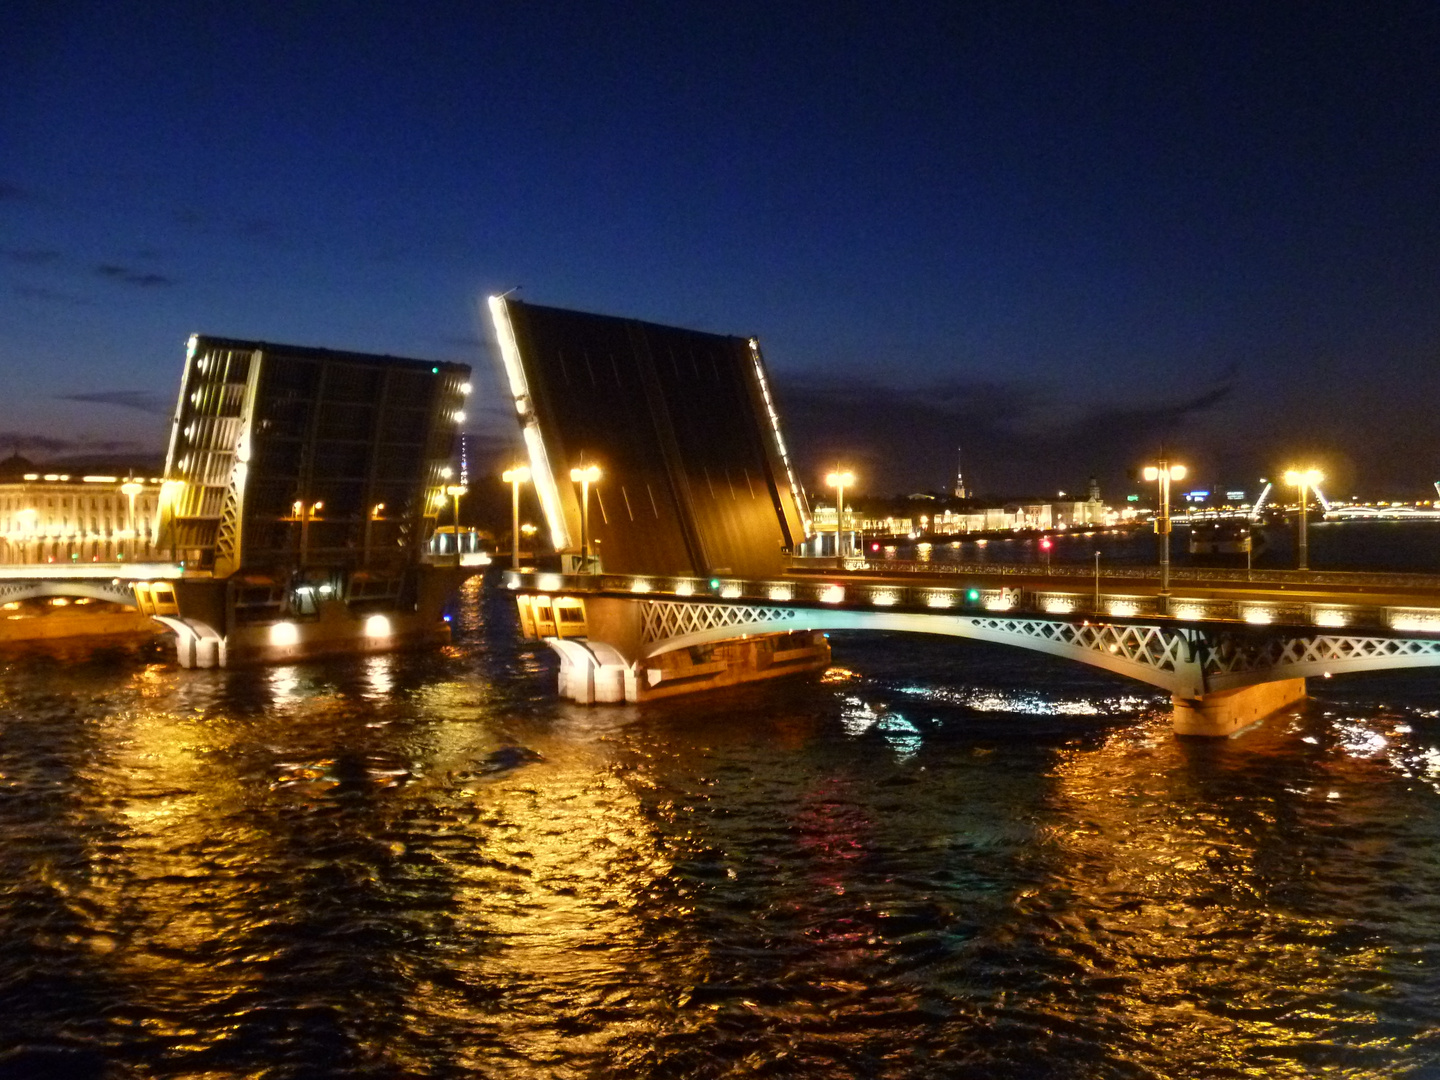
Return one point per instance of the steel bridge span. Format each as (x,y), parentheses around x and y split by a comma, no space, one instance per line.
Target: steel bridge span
(1227,656)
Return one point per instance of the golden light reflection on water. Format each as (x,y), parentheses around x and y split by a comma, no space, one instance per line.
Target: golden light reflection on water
(424,864)
(1193,909)
(543,851)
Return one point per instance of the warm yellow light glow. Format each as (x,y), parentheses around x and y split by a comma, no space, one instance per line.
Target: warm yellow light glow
(832,594)
(465,388)
(1151,472)
(588,473)
(1308,477)
(377,626)
(455,490)
(459,417)
(840,479)
(284,634)
(131,488)
(520,474)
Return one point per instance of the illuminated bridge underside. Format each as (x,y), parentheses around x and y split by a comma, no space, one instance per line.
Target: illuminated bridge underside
(1189,662)
(113,582)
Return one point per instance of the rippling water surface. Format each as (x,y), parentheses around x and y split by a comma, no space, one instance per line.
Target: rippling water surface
(941,859)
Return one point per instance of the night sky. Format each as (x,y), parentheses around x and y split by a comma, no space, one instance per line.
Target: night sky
(1057,235)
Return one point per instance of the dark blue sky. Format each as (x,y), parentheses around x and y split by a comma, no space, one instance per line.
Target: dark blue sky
(1057,234)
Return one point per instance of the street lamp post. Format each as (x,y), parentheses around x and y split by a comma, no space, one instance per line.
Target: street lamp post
(585,475)
(1097,580)
(306,513)
(455,491)
(515,476)
(1164,472)
(1304,480)
(840,479)
(130,489)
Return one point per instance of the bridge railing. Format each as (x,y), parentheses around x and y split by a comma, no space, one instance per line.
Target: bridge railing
(984,596)
(1178,574)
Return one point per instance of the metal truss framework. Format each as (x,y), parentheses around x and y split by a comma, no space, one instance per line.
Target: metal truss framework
(665,620)
(1188,661)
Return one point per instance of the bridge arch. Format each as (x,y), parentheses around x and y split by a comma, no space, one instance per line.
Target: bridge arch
(1186,661)
(33,589)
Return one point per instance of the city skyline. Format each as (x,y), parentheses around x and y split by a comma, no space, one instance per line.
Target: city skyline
(1058,237)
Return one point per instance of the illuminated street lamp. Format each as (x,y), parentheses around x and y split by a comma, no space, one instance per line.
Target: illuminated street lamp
(840,479)
(585,475)
(130,489)
(455,491)
(1164,472)
(519,474)
(304,511)
(1304,480)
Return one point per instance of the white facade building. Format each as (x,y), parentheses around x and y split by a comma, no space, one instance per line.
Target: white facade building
(51,517)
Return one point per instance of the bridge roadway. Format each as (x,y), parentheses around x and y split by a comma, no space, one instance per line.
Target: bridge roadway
(1229,646)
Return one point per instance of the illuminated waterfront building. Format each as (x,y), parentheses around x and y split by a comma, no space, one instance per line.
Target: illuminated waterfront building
(49,516)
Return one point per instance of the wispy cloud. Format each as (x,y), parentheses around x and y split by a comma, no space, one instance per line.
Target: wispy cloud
(140,400)
(130,276)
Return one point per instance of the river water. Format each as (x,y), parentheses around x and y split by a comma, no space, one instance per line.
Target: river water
(939,859)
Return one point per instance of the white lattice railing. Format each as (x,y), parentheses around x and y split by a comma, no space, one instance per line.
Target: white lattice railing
(666,619)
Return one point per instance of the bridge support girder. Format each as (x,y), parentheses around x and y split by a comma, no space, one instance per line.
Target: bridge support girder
(1224,712)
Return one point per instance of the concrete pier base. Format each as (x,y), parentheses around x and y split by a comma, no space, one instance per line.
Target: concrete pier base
(1227,711)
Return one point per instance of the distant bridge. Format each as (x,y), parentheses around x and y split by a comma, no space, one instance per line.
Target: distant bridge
(700,515)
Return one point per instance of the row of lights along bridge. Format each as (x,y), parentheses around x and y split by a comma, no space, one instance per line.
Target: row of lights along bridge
(1163,472)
